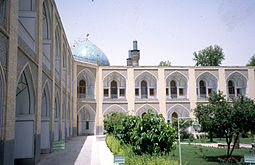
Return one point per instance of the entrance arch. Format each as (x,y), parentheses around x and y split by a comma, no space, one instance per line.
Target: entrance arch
(86,121)
(24,120)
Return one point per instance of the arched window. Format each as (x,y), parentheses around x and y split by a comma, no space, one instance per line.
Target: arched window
(82,89)
(202,88)
(173,89)
(144,89)
(143,114)
(24,95)
(174,116)
(114,89)
(231,88)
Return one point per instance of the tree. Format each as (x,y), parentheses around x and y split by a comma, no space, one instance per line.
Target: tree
(184,124)
(165,63)
(226,119)
(251,61)
(210,56)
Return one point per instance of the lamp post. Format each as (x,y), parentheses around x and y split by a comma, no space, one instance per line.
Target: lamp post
(195,125)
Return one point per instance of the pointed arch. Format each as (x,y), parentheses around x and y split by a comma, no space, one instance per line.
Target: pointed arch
(179,109)
(179,90)
(114,108)
(89,89)
(206,83)
(144,109)
(151,81)
(25,92)
(114,82)
(236,84)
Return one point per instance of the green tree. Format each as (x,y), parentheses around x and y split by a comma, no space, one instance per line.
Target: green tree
(184,124)
(251,61)
(226,119)
(165,63)
(210,56)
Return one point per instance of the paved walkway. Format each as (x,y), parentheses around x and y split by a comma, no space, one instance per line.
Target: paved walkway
(81,150)
(216,145)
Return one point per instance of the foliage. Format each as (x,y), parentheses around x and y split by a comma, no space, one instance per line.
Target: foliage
(226,119)
(251,61)
(132,159)
(114,144)
(184,124)
(151,135)
(165,63)
(210,56)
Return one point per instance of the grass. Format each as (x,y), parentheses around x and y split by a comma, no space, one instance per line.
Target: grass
(219,140)
(196,155)
(191,155)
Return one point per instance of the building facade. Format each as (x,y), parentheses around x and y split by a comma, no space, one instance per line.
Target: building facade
(52,91)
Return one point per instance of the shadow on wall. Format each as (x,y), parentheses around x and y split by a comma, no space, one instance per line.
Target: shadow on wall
(67,156)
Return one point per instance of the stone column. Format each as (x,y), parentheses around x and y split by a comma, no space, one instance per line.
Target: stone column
(61,83)
(162,92)
(38,102)
(251,83)
(52,114)
(130,91)
(222,86)
(7,148)
(74,99)
(192,91)
(66,98)
(99,98)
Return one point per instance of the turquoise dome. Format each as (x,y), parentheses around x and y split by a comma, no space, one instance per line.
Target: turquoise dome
(86,51)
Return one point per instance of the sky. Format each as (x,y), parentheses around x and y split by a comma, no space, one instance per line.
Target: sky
(165,29)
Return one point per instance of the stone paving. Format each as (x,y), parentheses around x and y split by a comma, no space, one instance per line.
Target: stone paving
(80,150)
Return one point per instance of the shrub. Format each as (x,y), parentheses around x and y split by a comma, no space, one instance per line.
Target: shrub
(153,135)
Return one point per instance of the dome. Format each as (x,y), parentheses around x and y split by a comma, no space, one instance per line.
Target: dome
(86,51)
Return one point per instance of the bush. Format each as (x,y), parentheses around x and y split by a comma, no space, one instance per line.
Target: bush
(151,135)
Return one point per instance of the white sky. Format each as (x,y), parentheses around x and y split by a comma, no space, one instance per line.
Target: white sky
(165,29)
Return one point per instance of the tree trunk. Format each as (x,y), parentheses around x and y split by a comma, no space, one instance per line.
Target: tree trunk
(211,137)
(228,140)
(235,141)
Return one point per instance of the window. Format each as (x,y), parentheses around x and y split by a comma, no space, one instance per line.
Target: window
(144,89)
(202,88)
(167,92)
(174,116)
(106,93)
(231,89)
(82,89)
(173,89)
(151,91)
(87,125)
(114,89)
(136,91)
(209,91)
(181,91)
(238,91)
(122,92)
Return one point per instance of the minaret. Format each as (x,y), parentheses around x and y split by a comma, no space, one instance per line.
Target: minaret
(133,55)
